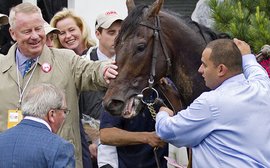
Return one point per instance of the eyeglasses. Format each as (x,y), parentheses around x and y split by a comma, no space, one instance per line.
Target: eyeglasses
(66,111)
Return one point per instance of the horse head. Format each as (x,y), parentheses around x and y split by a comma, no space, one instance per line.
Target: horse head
(153,44)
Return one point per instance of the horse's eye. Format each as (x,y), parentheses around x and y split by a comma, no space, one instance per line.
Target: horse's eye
(141,47)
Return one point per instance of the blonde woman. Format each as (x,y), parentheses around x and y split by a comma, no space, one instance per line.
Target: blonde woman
(74,33)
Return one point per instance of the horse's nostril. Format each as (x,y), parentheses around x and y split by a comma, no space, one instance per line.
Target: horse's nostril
(115,103)
(115,107)
(135,83)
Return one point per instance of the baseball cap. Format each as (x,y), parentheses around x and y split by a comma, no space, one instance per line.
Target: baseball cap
(48,29)
(3,19)
(106,19)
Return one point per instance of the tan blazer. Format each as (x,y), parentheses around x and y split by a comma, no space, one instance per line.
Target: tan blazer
(68,71)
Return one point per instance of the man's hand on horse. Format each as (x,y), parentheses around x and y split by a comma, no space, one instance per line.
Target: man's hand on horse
(167,110)
(109,71)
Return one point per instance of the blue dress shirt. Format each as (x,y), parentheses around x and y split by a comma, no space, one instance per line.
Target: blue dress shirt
(21,61)
(226,127)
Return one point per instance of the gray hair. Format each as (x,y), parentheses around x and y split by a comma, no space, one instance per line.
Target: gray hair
(22,8)
(41,98)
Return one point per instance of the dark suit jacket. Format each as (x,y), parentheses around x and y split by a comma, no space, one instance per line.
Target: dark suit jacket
(30,144)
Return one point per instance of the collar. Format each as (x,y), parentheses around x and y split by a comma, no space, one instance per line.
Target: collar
(103,57)
(233,79)
(20,58)
(38,120)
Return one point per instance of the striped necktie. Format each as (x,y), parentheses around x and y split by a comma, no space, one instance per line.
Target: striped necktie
(28,65)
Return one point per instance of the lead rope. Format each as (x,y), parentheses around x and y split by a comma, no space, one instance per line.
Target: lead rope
(156,157)
(153,114)
(152,111)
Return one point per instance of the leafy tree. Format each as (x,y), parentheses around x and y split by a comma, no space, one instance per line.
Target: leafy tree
(247,20)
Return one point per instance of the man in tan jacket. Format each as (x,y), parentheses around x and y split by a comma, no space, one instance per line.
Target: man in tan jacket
(62,68)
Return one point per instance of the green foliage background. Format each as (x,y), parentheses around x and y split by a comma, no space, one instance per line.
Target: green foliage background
(247,20)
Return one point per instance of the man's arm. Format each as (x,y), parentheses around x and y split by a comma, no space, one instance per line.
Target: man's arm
(119,137)
(252,69)
(88,74)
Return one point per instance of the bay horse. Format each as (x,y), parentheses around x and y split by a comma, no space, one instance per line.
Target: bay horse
(154,43)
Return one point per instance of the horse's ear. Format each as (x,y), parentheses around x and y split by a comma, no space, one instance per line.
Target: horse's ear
(155,8)
(130,5)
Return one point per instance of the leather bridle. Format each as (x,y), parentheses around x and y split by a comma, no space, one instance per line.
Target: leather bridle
(158,39)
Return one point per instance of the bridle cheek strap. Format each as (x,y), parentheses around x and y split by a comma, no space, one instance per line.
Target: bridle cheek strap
(157,38)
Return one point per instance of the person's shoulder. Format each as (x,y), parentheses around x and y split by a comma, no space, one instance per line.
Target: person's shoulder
(62,51)
(62,144)
(207,96)
(2,57)
(91,53)
(10,53)
(58,145)
(57,140)
(92,49)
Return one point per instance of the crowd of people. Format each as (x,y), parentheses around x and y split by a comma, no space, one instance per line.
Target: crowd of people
(55,75)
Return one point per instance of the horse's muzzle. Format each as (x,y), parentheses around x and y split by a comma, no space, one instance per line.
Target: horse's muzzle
(127,109)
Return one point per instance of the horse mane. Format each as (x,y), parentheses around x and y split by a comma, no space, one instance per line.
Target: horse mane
(132,21)
(130,24)
(207,33)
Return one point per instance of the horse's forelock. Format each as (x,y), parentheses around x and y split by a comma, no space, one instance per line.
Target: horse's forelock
(130,24)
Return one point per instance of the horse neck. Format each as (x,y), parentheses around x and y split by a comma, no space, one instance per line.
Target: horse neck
(185,49)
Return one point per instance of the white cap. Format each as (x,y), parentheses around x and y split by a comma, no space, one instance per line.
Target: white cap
(106,19)
(48,29)
(3,19)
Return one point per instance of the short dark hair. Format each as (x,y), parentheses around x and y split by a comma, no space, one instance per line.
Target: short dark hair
(225,51)
(100,29)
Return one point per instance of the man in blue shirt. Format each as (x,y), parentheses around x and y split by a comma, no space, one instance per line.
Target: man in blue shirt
(228,126)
